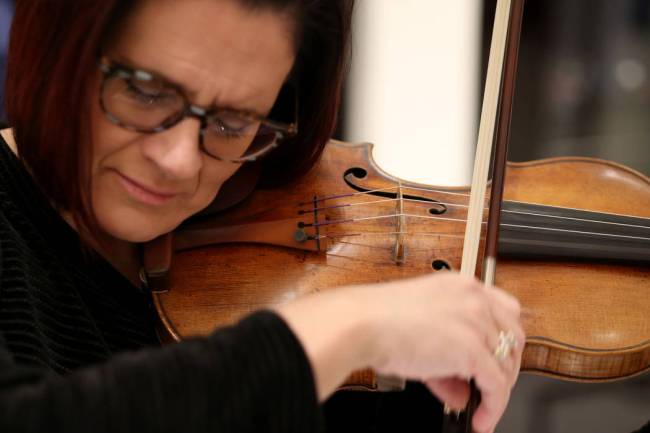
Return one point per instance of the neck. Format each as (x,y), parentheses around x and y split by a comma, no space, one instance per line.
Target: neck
(125,257)
(8,136)
(122,255)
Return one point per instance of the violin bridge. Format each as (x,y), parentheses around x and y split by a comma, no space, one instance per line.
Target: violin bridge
(399,255)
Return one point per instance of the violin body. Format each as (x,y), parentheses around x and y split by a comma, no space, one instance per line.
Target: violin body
(347,222)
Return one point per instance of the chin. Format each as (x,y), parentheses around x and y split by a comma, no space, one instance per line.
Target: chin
(139,237)
(136,229)
(136,235)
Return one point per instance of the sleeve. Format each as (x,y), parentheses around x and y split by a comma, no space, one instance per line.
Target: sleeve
(644,429)
(251,377)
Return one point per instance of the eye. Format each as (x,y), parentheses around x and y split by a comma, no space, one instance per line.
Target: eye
(145,94)
(231,124)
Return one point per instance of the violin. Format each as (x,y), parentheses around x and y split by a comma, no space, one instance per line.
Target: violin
(574,249)
(572,237)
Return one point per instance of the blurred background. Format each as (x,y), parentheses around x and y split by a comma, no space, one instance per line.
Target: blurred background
(6,8)
(415,85)
(583,88)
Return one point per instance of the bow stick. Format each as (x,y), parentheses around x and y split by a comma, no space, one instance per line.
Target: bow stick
(497,106)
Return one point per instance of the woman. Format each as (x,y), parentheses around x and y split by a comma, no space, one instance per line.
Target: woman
(127,118)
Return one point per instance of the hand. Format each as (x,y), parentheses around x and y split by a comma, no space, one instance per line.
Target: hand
(443,330)
(439,329)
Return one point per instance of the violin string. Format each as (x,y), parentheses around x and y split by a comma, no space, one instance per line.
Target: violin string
(588,220)
(353,220)
(387,247)
(352,194)
(583,210)
(440,191)
(522,202)
(395,188)
(641,238)
(486,208)
(344,235)
(371,192)
(388,200)
(370,246)
(578,219)
(381,247)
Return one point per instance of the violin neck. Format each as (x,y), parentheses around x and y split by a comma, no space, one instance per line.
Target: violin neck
(537,231)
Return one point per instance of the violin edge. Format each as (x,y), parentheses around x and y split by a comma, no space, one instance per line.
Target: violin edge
(562,361)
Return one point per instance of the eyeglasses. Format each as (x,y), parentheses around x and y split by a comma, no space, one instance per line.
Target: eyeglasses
(141,101)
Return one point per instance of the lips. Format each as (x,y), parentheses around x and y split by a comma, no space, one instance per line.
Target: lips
(144,193)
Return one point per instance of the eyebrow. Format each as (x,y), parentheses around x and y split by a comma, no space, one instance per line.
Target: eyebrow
(189,94)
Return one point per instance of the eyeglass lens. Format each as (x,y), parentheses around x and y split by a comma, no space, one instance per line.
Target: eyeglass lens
(148,104)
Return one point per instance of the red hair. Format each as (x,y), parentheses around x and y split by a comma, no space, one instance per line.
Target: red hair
(53,50)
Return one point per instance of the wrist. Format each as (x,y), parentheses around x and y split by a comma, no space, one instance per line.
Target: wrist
(338,333)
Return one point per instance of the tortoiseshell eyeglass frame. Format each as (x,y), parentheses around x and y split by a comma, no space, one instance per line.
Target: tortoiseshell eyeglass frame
(110,68)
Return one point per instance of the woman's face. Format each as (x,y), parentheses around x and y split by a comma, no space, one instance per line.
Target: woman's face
(221,54)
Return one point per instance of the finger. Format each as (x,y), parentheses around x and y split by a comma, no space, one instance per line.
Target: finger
(481,419)
(493,313)
(507,314)
(504,298)
(453,392)
(493,384)
(502,301)
(484,324)
(517,356)
(508,354)
(478,314)
(508,320)
(493,332)
(509,364)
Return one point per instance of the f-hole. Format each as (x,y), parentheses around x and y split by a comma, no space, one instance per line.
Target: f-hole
(355,174)
(440,265)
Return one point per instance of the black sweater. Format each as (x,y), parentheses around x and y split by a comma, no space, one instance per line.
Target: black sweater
(78,351)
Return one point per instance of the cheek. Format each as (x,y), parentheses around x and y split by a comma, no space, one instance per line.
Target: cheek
(210,183)
(107,139)
(121,218)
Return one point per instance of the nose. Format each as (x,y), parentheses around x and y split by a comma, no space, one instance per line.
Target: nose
(175,151)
